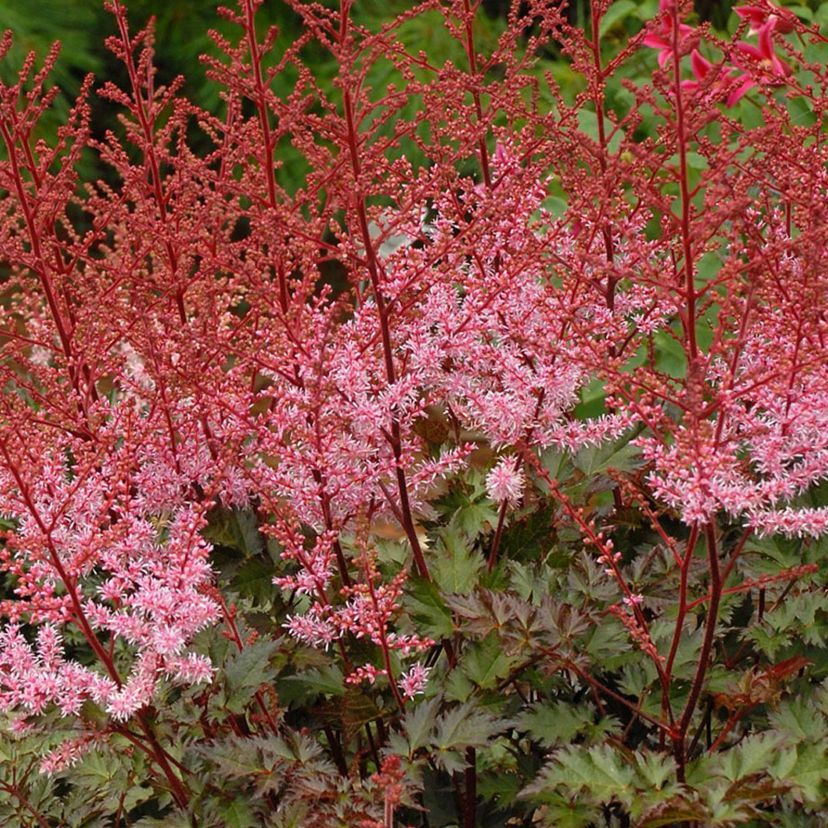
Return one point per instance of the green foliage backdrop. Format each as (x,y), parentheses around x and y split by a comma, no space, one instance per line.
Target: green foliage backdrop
(182,26)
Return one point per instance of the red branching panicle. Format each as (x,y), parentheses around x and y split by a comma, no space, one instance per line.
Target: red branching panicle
(196,334)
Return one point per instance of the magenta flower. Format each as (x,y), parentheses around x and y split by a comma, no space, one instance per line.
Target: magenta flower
(662,39)
(760,17)
(764,53)
(730,83)
(701,67)
(762,57)
(745,84)
(728,86)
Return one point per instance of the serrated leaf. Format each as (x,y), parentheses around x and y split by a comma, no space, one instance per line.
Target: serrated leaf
(254,579)
(809,773)
(656,769)
(554,724)
(238,814)
(752,755)
(800,719)
(502,788)
(326,681)
(619,455)
(427,609)
(458,687)
(95,771)
(235,529)
(600,774)
(357,709)
(565,814)
(235,758)
(474,518)
(485,662)
(419,722)
(457,566)
(247,670)
(461,728)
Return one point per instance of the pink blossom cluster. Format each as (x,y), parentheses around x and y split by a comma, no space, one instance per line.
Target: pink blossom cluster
(767,444)
(332,355)
(505,482)
(69,753)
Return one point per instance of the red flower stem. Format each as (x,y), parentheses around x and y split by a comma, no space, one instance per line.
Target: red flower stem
(606,230)
(468,22)
(501,519)
(596,540)
(64,327)
(680,734)
(325,502)
(682,608)
(761,583)
(606,691)
(237,640)
(386,654)
(395,435)
(268,144)
(143,111)
(136,740)
(734,719)
(689,316)
(14,790)
(179,792)
(491,560)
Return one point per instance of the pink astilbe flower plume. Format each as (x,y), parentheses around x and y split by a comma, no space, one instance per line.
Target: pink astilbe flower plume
(612,316)
(505,482)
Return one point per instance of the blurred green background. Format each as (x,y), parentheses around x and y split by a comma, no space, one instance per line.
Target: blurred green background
(182,25)
(182,35)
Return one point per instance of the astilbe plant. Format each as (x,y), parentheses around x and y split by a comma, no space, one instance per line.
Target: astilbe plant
(477,480)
